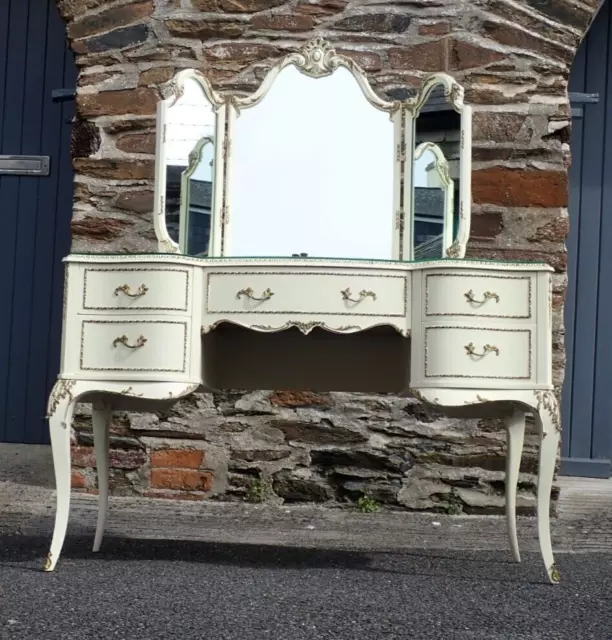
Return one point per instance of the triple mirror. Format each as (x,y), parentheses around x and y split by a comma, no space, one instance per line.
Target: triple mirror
(313,163)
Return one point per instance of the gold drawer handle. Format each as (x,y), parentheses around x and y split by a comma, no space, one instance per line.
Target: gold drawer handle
(346,295)
(488,348)
(124,341)
(488,295)
(125,288)
(266,295)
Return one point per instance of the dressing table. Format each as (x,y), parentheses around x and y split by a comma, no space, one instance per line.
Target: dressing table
(307,241)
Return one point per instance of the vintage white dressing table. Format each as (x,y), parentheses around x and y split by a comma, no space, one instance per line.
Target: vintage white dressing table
(290,225)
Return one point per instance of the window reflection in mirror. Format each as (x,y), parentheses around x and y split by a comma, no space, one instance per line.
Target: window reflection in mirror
(436,208)
(190,119)
(315,164)
(196,200)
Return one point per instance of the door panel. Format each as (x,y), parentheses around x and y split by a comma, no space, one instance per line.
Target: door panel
(35,211)
(587,394)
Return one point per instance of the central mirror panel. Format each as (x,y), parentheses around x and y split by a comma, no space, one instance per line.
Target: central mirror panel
(313,168)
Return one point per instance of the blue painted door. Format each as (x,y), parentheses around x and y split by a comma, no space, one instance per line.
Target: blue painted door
(35,211)
(587,394)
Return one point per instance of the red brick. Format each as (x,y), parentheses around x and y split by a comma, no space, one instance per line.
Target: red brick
(486,225)
(179,458)
(115,169)
(519,187)
(78,480)
(299,399)
(241,52)
(367,61)
(554,231)
(99,228)
(181,479)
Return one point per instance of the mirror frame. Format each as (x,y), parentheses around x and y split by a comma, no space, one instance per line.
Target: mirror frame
(195,156)
(171,92)
(317,59)
(454,95)
(441,164)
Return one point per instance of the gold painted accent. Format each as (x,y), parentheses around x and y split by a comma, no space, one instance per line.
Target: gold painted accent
(140,342)
(547,401)
(500,329)
(488,295)
(555,576)
(48,561)
(346,295)
(488,348)
(454,250)
(146,271)
(305,327)
(266,295)
(130,392)
(125,288)
(61,389)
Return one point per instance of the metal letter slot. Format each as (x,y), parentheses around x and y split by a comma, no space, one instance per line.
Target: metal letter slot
(24,165)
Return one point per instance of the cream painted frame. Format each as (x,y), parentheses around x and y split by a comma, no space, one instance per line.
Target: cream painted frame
(171,92)
(317,59)
(441,164)
(194,159)
(454,94)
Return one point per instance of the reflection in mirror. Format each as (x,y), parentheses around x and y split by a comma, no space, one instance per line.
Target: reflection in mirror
(188,120)
(313,163)
(196,200)
(433,202)
(437,146)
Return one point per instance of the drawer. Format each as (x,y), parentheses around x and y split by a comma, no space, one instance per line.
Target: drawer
(307,293)
(134,345)
(478,352)
(485,296)
(138,289)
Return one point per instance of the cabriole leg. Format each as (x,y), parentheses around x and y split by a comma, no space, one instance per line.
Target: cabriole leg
(60,422)
(515,429)
(101,418)
(549,422)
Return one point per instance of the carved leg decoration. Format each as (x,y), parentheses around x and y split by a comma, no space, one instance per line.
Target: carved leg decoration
(515,428)
(60,410)
(550,432)
(101,418)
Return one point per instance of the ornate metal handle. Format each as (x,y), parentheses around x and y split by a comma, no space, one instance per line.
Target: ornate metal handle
(488,295)
(266,295)
(124,341)
(488,348)
(346,295)
(125,288)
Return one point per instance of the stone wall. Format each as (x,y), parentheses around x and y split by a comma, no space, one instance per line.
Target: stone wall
(514,60)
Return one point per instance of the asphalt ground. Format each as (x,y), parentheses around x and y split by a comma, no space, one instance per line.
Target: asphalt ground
(140,589)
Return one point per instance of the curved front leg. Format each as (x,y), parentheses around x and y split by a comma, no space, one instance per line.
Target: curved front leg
(515,429)
(60,411)
(549,420)
(101,419)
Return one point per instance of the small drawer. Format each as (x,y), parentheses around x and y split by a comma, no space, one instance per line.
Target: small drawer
(138,289)
(297,293)
(134,345)
(478,352)
(485,296)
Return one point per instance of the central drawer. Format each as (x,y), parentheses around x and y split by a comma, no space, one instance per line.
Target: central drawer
(307,293)
(134,345)
(479,352)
